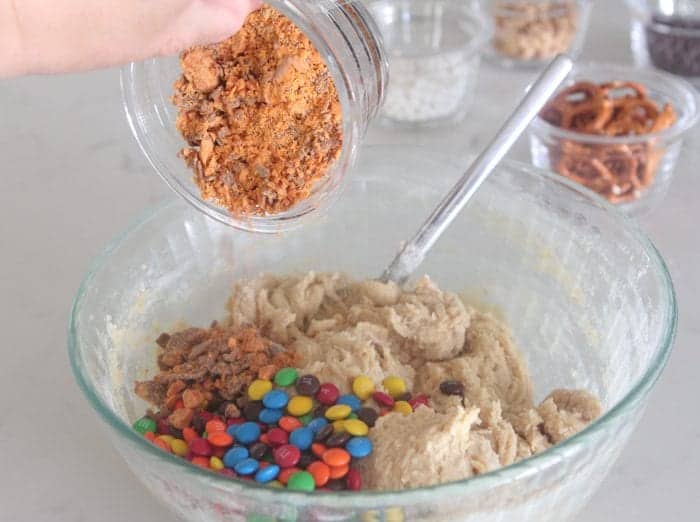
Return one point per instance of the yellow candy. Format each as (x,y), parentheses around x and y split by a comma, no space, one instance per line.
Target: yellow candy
(338,412)
(258,388)
(339,426)
(178,447)
(403,407)
(355,427)
(166,438)
(363,387)
(300,405)
(276,484)
(394,386)
(216,463)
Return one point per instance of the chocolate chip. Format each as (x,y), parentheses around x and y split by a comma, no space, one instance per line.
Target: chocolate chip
(252,410)
(175,432)
(323,433)
(452,388)
(338,440)
(673,44)
(305,460)
(404,397)
(307,385)
(258,450)
(368,415)
(163,339)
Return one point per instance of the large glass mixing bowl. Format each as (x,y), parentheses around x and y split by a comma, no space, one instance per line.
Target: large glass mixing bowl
(588,298)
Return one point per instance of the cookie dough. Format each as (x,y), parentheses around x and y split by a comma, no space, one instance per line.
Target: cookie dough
(342,328)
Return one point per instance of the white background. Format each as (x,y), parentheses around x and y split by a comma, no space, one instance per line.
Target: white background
(72,177)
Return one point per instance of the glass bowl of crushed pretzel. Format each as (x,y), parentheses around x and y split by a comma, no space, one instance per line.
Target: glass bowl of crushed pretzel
(617,131)
(529,33)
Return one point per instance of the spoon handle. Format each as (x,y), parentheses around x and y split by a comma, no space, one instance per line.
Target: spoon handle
(414,251)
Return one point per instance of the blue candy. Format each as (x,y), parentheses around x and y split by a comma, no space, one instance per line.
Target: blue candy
(235,455)
(302,438)
(359,447)
(350,400)
(275,399)
(267,474)
(270,415)
(316,424)
(247,433)
(246,466)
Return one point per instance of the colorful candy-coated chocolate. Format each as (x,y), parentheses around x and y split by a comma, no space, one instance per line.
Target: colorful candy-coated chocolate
(267,474)
(355,427)
(246,466)
(286,473)
(383,399)
(200,447)
(353,480)
(335,457)
(359,447)
(302,438)
(403,407)
(162,444)
(289,424)
(339,471)
(216,464)
(214,425)
(202,462)
(258,388)
(352,401)
(277,437)
(275,399)
(301,481)
(394,386)
(305,419)
(270,415)
(300,405)
(338,412)
(362,386)
(145,424)
(316,424)
(179,447)
(321,473)
(247,433)
(328,394)
(286,377)
(235,455)
(287,456)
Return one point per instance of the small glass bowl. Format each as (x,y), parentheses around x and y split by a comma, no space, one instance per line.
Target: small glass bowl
(343,33)
(529,33)
(434,55)
(554,148)
(666,34)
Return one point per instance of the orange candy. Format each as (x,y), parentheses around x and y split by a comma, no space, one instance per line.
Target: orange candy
(220,439)
(337,472)
(214,426)
(284,475)
(335,457)
(149,435)
(264,438)
(318,449)
(202,462)
(320,472)
(289,424)
(189,435)
(162,445)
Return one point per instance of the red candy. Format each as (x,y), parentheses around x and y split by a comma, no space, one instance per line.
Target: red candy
(163,426)
(277,437)
(383,399)
(419,400)
(284,475)
(328,394)
(287,456)
(235,421)
(201,447)
(353,480)
(228,472)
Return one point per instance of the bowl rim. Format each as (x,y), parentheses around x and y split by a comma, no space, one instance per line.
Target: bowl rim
(474,14)
(524,468)
(645,13)
(582,70)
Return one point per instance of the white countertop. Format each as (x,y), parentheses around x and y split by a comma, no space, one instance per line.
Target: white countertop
(72,177)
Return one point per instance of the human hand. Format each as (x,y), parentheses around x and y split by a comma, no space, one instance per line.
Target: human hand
(37,36)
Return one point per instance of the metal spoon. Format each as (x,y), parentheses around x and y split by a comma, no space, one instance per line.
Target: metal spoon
(414,251)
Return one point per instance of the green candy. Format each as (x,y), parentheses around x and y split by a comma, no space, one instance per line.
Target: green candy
(305,419)
(352,416)
(144,425)
(301,481)
(286,377)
